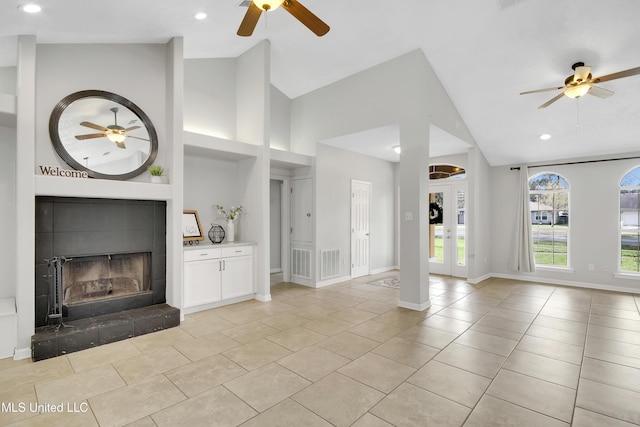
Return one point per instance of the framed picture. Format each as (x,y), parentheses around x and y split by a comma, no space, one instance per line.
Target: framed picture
(191,229)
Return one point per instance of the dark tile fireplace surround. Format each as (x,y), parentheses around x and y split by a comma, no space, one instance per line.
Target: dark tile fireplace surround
(100,238)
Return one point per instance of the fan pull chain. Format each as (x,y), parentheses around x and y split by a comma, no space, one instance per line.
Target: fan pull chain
(577,115)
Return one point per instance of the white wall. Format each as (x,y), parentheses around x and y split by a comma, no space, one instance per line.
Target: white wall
(8,80)
(65,69)
(280,120)
(208,182)
(593,218)
(479,216)
(335,168)
(210,97)
(7,211)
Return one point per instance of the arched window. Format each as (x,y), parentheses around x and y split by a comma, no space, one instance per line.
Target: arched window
(549,203)
(444,171)
(630,221)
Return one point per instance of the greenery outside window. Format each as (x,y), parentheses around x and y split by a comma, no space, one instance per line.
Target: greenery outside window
(629,230)
(549,203)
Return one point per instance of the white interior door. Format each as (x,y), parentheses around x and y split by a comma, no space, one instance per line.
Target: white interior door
(447,229)
(301,207)
(360,228)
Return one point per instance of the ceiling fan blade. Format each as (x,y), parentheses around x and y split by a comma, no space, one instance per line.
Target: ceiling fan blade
(549,89)
(90,136)
(306,17)
(120,144)
(132,128)
(618,75)
(600,92)
(94,126)
(551,101)
(581,74)
(250,20)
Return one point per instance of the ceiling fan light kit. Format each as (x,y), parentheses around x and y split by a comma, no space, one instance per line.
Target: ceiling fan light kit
(267,5)
(582,83)
(577,91)
(295,8)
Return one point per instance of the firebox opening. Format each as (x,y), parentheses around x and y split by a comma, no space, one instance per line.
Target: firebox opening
(106,276)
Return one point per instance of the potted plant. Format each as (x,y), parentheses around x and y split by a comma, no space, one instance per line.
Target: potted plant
(230,215)
(156,172)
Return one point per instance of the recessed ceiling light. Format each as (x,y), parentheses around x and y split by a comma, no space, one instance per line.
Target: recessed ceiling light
(545,136)
(200,16)
(30,8)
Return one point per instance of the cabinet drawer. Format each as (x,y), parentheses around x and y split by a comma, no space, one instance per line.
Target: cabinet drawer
(237,251)
(200,254)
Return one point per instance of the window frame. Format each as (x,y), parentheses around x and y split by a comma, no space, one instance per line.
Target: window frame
(621,188)
(555,212)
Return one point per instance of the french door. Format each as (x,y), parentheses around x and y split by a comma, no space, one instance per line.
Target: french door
(447,229)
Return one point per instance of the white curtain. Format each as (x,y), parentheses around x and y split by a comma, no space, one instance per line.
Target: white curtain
(522,258)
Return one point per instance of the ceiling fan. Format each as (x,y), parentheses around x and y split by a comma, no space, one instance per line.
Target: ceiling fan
(582,83)
(114,132)
(301,13)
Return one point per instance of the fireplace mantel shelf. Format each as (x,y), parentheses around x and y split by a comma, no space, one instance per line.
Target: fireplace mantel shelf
(79,187)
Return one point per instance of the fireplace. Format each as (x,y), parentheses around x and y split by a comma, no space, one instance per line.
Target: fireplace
(112,256)
(94,278)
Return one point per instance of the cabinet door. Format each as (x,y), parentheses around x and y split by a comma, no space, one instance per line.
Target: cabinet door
(202,282)
(237,276)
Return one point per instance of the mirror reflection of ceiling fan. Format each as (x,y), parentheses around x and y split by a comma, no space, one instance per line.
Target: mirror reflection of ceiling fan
(301,13)
(114,132)
(582,83)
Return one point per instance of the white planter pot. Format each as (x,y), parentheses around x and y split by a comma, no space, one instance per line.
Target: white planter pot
(156,179)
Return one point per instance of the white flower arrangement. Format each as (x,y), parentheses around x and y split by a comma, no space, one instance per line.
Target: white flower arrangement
(231,214)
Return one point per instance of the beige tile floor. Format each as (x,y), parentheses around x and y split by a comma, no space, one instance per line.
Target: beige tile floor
(499,353)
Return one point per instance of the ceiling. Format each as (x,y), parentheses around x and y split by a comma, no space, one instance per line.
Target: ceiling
(485,53)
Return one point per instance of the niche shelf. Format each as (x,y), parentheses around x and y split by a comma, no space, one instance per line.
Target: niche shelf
(287,160)
(79,187)
(196,144)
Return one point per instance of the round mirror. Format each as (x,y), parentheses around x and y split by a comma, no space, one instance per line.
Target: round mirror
(104,134)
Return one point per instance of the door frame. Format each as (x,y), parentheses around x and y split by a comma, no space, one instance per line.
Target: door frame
(285,225)
(451,212)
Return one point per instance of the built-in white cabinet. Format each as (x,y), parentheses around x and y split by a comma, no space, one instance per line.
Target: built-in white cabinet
(202,279)
(214,276)
(237,271)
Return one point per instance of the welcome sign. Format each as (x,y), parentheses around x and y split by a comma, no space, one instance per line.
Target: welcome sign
(56,171)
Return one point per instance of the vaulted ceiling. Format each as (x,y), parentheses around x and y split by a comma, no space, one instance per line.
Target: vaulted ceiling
(485,53)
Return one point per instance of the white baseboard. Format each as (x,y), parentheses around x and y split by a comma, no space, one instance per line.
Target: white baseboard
(384,269)
(275,270)
(477,280)
(263,298)
(333,281)
(302,281)
(566,283)
(413,306)
(208,306)
(22,353)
